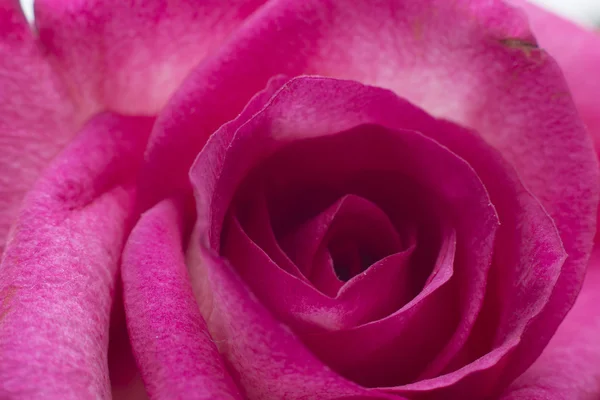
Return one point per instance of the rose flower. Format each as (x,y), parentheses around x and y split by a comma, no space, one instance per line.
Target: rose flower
(298,200)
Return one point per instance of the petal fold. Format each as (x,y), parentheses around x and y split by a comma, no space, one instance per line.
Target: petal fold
(58,273)
(36,114)
(174,351)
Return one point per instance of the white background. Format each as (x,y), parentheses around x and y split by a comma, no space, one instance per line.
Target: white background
(586,12)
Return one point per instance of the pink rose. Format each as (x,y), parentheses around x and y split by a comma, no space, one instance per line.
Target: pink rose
(298,200)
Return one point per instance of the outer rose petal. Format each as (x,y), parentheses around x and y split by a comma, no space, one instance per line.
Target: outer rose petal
(58,271)
(570,365)
(471,61)
(577,51)
(35,113)
(130,56)
(176,355)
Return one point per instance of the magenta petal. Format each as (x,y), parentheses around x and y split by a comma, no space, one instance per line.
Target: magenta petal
(395,347)
(257,225)
(386,281)
(323,113)
(569,367)
(287,296)
(297,303)
(351,215)
(176,355)
(58,272)
(324,276)
(577,51)
(130,56)
(511,329)
(36,115)
(270,361)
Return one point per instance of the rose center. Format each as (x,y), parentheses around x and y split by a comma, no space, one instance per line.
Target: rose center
(359,235)
(350,259)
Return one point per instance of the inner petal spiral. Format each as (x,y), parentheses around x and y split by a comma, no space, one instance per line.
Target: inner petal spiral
(342,242)
(277,174)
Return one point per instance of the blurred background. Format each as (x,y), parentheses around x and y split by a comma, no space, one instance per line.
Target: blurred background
(585,12)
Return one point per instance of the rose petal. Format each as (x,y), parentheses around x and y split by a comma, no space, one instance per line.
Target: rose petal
(257,225)
(577,51)
(36,115)
(324,276)
(270,361)
(528,258)
(358,216)
(288,297)
(569,367)
(176,355)
(332,163)
(298,303)
(58,272)
(125,379)
(316,107)
(130,56)
(393,349)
